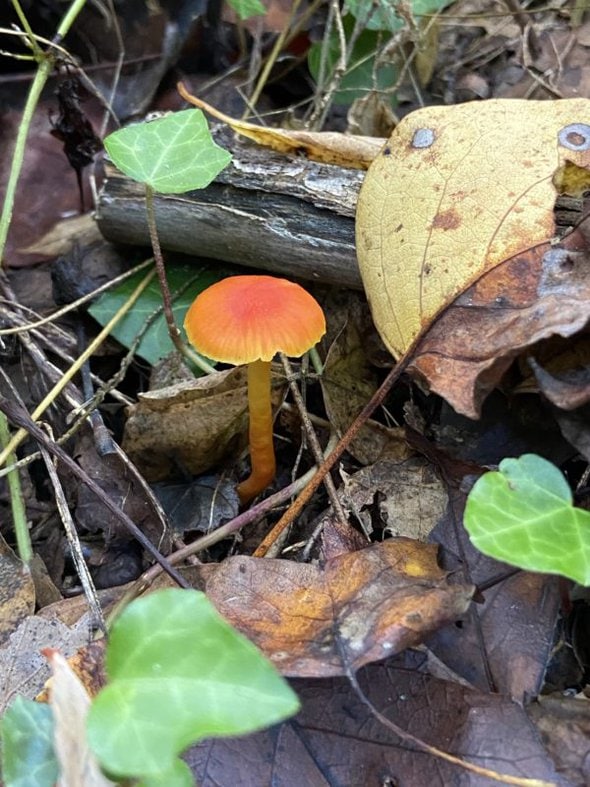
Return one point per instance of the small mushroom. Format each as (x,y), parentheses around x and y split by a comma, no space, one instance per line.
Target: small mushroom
(248,319)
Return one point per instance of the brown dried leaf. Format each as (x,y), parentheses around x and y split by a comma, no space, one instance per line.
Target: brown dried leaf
(504,643)
(411,498)
(87,664)
(65,233)
(201,504)
(17,591)
(192,424)
(562,52)
(335,740)
(371,115)
(45,171)
(368,605)
(536,294)
(564,724)
(118,480)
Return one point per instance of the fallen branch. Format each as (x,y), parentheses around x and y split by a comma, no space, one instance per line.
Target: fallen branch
(266,210)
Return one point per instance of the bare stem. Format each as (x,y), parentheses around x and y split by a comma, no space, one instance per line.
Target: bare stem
(19,517)
(314,444)
(45,68)
(173,331)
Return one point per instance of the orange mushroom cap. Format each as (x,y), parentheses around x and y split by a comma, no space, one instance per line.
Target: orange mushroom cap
(249,318)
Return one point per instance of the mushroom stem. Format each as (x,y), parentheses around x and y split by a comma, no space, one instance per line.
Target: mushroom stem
(262,454)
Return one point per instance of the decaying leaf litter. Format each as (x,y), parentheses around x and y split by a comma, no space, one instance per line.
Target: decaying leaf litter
(414,484)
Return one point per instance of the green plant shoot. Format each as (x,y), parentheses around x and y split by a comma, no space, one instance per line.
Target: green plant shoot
(172,154)
(366,70)
(523,514)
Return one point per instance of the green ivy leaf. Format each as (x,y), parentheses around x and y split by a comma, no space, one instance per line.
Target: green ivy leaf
(384,16)
(172,154)
(523,514)
(247,8)
(376,16)
(180,775)
(358,79)
(28,758)
(155,343)
(379,21)
(179,673)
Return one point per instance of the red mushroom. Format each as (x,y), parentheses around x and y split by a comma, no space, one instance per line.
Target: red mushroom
(248,319)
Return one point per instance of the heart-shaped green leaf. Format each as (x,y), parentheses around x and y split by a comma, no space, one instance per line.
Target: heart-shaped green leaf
(28,758)
(185,283)
(179,673)
(523,514)
(172,154)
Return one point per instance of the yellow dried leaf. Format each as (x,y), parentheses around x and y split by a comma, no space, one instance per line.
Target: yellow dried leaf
(456,191)
(353,152)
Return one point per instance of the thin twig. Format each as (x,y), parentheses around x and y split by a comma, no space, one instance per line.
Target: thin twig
(20,417)
(248,517)
(73,541)
(346,48)
(173,331)
(117,71)
(79,302)
(297,507)
(314,444)
(73,370)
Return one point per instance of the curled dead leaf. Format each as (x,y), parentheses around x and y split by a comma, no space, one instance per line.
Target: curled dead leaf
(568,390)
(193,423)
(353,152)
(70,703)
(87,664)
(534,295)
